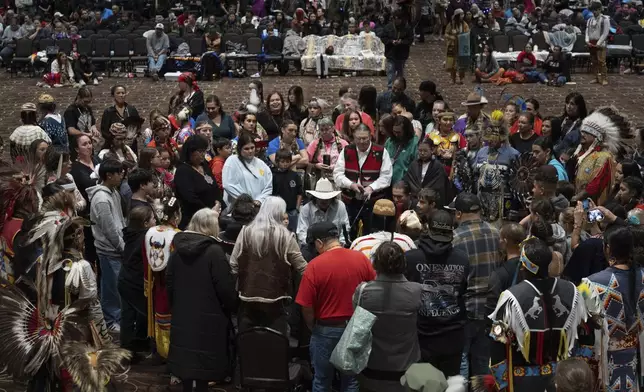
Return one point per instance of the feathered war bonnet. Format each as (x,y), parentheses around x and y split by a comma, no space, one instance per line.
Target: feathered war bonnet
(496,129)
(612,131)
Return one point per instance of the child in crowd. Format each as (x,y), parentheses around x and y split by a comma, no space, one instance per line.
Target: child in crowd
(222,148)
(287,184)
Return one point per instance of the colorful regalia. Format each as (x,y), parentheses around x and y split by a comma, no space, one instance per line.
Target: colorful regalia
(534,326)
(491,167)
(447,146)
(158,246)
(61,339)
(594,167)
(618,339)
(19,200)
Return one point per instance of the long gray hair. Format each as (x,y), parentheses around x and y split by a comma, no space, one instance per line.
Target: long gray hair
(267,229)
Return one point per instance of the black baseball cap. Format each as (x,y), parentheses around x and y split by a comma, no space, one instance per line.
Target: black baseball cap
(465,202)
(441,226)
(321,231)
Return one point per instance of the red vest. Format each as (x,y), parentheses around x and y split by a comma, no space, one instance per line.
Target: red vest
(367,174)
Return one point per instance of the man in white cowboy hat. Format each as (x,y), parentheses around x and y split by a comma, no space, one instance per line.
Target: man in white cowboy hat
(474,118)
(324,206)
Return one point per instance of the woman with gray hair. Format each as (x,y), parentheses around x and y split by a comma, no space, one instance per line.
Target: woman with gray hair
(263,258)
(202,296)
(324,152)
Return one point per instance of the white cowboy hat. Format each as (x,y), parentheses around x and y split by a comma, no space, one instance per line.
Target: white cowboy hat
(324,190)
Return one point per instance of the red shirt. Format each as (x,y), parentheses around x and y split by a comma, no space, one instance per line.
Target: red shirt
(330,280)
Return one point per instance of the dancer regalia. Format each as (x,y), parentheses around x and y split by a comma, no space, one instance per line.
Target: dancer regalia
(534,325)
(59,339)
(618,338)
(491,167)
(158,246)
(594,160)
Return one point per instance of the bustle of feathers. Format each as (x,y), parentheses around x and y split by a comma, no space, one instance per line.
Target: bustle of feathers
(485,383)
(50,230)
(31,337)
(520,176)
(456,384)
(463,180)
(92,368)
(619,137)
(20,187)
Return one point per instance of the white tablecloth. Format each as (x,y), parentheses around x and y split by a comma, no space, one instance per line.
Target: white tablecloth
(543,54)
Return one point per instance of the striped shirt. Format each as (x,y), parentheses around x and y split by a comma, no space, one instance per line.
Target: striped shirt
(480,241)
(367,244)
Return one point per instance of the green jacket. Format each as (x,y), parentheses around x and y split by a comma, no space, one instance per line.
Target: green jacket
(403,159)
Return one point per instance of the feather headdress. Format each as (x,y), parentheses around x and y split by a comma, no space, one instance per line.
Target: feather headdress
(611,130)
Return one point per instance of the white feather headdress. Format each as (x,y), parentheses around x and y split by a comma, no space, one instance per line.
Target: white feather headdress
(611,129)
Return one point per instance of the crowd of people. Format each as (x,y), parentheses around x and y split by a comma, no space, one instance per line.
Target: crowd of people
(467,28)
(486,244)
(502,245)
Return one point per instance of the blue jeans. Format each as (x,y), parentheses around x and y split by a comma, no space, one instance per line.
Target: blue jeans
(323,341)
(292,220)
(155,66)
(476,352)
(394,68)
(559,80)
(110,298)
(532,76)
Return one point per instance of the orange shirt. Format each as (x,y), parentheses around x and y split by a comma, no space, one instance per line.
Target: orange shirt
(217,167)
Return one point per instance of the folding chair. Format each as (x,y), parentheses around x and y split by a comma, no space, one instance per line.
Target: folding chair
(265,361)
(22,55)
(121,54)
(196,46)
(84,46)
(102,53)
(65,45)
(519,42)
(501,43)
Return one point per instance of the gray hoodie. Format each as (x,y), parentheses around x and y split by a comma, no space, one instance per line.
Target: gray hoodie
(106,215)
(560,203)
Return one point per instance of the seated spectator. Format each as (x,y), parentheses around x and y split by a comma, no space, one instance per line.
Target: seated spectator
(59,31)
(281,24)
(62,73)
(556,68)
(84,71)
(527,64)
(491,23)
(366,28)
(158,45)
(10,35)
(313,27)
(28,27)
(487,68)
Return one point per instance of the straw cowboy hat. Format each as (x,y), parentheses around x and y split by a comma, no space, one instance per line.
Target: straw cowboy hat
(324,190)
(474,99)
